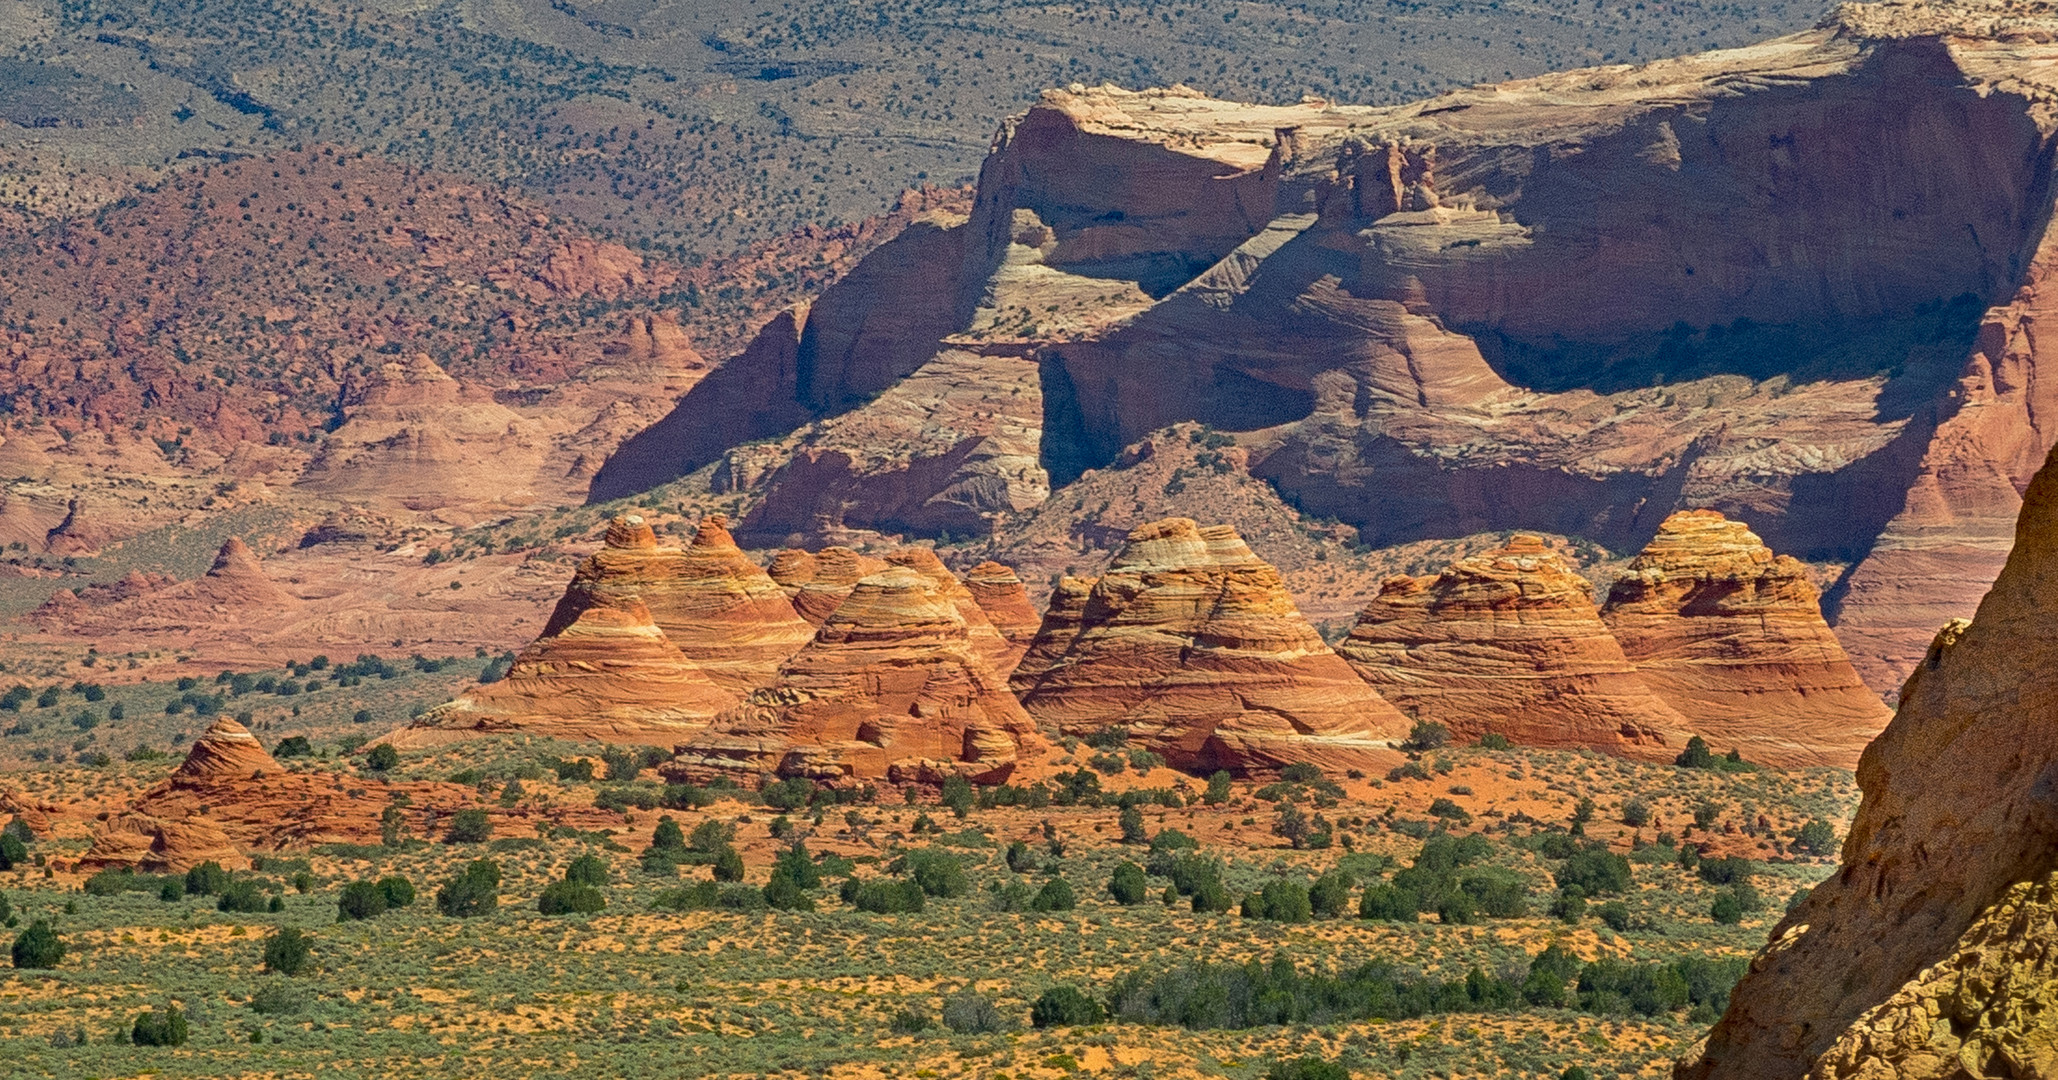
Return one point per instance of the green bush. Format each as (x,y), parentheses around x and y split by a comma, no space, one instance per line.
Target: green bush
(399,891)
(1128,885)
(38,947)
(360,900)
(1279,900)
(938,874)
(1056,895)
(570,898)
(288,951)
(882,897)
(1549,971)
(968,1013)
(788,794)
(1816,838)
(1636,813)
(1307,1068)
(243,897)
(1494,740)
(908,1022)
(293,746)
(1728,870)
(958,795)
(1498,894)
(1727,909)
(1218,788)
(1596,871)
(1428,735)
(795,864)
(728,864)
(1615,915)
(1065,1006)
(278,998)
(475,891)
(469,827)
(207,879)
(159,1027)
(1388,903)
(588,870)
(13,852)
(1569,905)
(784,893)
(382,757)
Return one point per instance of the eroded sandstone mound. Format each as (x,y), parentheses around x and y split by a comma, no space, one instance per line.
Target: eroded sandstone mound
(892,687)
(163,847)
(610,675)
(1927,956)
(716,606)
(1003,598)
(227,751)
(1192,644)
(830,575)
(999,653)
(1732,637)
(1509,642)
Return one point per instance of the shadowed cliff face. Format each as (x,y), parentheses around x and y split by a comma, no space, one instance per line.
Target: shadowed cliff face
(1755,280)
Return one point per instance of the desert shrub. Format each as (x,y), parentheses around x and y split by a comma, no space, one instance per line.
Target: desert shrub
(1300,772)
(207,879)
(399,891)
(1498,894)
(588,870)
(909,1022)
(1217,792)
(884,897)
(1020,858)
(1728,870)
(243,897)
(1443,851)
(1203,996)
(623,763)
(159,1027)
(1428,735)
(1569,905)
(1172,840)
(1131,823)
(278,998)
(1449,811)
(38,947)
(1065,1006)
(1615,915)
(469,827)
(667,836)
(13,852)
(288,951)
(1056,895)
(711,836)
(1494,740)
(699,896)
(116,880)
(958,795)
(360,900)
(293,746)
(1388,903)
(566,897)
(382,757)
(788,794)
(1307,1068)
(1279,900)
(1128,885)
(969,1013)
(1301,829)
(573,770)
(795,863)
(474,891)
(1596,871)
(1636,813)
(728,864)
(783,893)
(1816,838)
(939,874)
(685,797)
(1727,909)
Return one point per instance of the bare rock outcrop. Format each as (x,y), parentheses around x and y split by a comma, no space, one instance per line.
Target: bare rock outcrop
(226,752)
(831,574)
(162,847)
(892,687)
(1732,637)
(1192,644)
(716,606)
(610,675)
(1509,642)
(1927,956)
(1005,601)
(999,653)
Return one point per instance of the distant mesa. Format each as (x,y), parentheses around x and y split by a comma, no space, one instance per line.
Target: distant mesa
(892,687)
(1732,637)
(1508,642)
(610,675)
(1192,644)
(716,606)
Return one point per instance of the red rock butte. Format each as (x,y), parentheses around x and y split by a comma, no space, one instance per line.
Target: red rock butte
(720,609)
(1192,644)
(892,688)
(1732,636)
(609,676)
(1509,642)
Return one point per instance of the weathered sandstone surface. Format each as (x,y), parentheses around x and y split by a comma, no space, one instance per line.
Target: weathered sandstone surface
(1928,954)
(715,605)
(995,649)
(1005,600)
(1509,642)
(1193,645)
(1796,282)
(892,687)
(234,590)
(820,581)
(609,675)
(1732,637)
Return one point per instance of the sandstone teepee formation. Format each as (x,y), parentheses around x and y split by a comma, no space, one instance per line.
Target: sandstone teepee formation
(1193,645)
(1933,954)
(999,653)
(1508,642)
(1732,637)
(609,675)
(226,752)
(892,687)
(819,581)
(1005,601)
(716,606)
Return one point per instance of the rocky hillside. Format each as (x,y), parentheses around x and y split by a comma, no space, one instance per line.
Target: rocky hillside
(1751,280)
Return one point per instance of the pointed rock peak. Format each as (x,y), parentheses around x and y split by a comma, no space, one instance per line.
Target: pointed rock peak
(1225,547)
(227,751)
(235,559)
(713,535)
(921,560)
(1173,542)
(842,566)
(894,597)
(992,574)
(631,531)
(1525,544)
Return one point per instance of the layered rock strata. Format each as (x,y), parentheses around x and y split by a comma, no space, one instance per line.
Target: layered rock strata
(1732,637)
(1004,599)
(1192,644)
(1509,643)
(610,675)
(821,581)
(999,653)
(892,687)
(716,606)
(1927,954)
